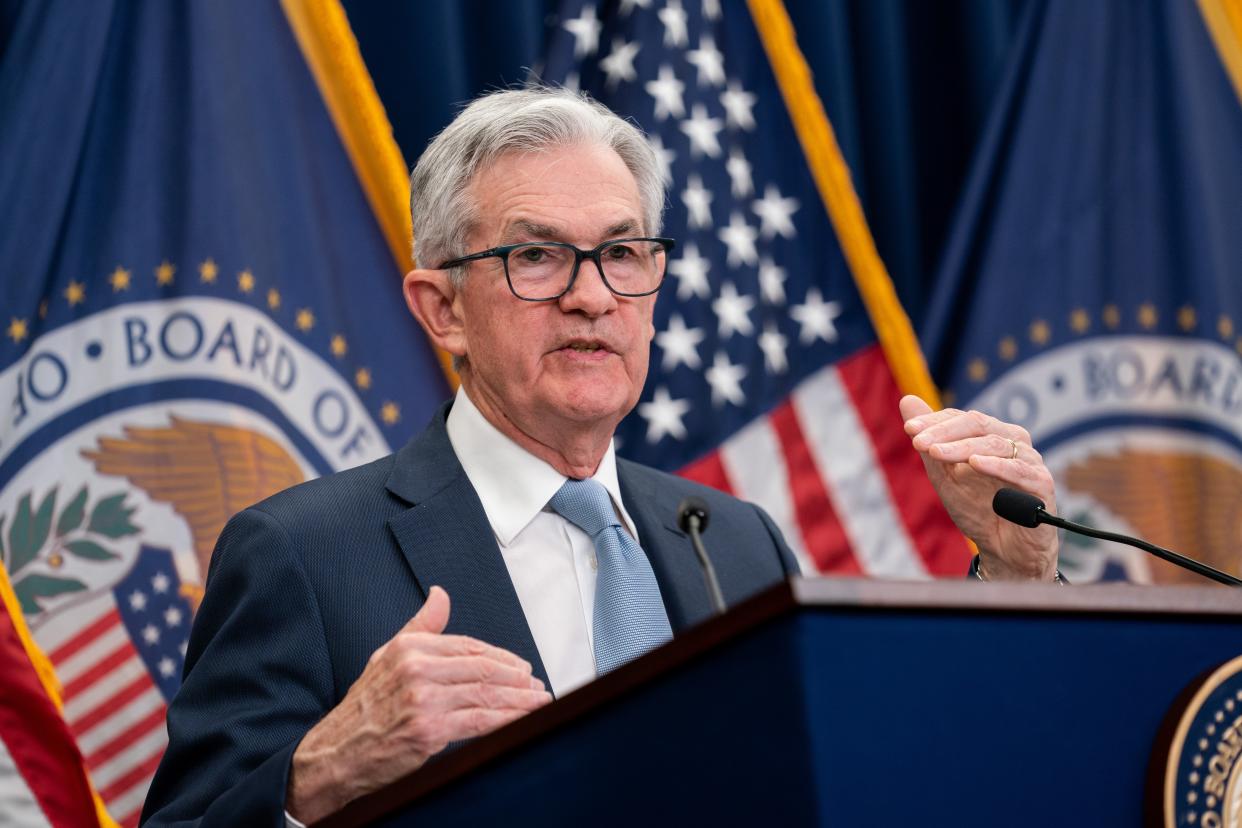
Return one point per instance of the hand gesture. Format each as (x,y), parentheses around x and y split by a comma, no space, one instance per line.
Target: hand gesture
(969,455)
(419,691)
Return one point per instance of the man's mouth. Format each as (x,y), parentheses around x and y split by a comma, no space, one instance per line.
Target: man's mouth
(586,346)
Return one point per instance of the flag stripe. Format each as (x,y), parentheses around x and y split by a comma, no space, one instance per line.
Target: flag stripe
(822,531)
(757,468)
(99,669)
(90,653)
(709,471)
(101,701)
(140,708)
(844,454)
(137,774)
(88,634)
(940,545)
(127,737)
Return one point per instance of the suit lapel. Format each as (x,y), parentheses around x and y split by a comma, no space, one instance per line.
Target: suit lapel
(668,548)
(447,541)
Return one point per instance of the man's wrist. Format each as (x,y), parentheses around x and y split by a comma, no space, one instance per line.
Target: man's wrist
(977,571)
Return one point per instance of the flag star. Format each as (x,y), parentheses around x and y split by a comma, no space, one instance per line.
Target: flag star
(120,279)
(666,90)
(167,667)
(738,169)
(772,282)
(664,156)
(775,214)
(680,344)
(585,30)
(691,271)
(137,600)
(172,616)
(733,312)
(151,634)
(739,237)
(709,61)
(18,329)
(702,132)
(75,294)
(160,582)
(619,65)
(816,318)
(698,201)
(663,415)
(673,16)
(772,342)
(711,9)
(628,6)
(737,103)
(726,381)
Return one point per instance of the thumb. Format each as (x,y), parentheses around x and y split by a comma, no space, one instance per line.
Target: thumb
(912,406)
(434,615)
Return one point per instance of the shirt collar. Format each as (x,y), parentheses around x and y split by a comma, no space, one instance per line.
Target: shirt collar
(513,484)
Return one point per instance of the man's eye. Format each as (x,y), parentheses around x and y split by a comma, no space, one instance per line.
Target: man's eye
(532,255)
(619,252)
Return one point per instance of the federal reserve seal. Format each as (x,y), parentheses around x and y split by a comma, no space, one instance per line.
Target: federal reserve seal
(1196,772)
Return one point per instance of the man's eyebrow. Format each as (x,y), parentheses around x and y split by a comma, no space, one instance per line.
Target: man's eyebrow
(530,230)
(623,228)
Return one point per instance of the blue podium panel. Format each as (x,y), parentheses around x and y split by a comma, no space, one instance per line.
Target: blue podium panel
(859,704)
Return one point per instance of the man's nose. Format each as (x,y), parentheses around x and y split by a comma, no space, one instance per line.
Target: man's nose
(589,294)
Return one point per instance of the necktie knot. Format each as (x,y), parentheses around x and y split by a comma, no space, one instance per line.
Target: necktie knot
(585,504)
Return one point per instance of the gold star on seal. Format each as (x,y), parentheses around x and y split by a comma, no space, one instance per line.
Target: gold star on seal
(390,413)
(164,273)
(1040,333)
(338,346)
(245,281)
(119,279)
(977,369)
(1187,318)
(273,298)
(207,271)
(947,397)
(17,329)
(75,294)
(1147,315)
(1080,320)
(1224,327)
(1008,349)
(1111,316)
(305,320)
(362,378)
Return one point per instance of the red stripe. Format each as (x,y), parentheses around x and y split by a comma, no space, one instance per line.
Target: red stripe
(112,704)
(36,737)
(85,637)
(870,384)
(130,820)
(709,471)
(136,774)
(100,669)
(822,533)
(127,737)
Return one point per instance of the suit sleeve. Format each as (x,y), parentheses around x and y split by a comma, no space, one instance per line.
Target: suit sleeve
(257,677)
(784,554)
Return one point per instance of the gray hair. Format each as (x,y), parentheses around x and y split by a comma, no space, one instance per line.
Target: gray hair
(515,120)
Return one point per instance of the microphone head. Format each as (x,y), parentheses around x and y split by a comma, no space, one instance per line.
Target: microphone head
(693,507)
(1018,507)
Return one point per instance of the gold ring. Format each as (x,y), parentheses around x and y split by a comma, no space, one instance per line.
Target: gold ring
(1013,443)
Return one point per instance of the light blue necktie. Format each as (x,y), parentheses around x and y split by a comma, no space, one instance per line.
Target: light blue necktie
(629,614)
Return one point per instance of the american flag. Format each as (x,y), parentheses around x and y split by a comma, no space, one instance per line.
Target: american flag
(119,658)
(767,377)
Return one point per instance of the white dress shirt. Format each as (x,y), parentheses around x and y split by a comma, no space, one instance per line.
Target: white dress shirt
(550,561)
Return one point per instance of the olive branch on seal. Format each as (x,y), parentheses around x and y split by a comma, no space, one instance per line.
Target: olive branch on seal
(31,538)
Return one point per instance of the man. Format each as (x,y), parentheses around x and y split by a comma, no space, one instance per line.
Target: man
(325,660)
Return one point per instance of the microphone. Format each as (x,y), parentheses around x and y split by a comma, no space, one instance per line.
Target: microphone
(692,515)
(1027,510)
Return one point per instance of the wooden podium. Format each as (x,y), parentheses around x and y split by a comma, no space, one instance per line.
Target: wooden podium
(853,703)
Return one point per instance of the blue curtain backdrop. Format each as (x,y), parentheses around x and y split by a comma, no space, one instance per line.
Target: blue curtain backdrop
(907,86)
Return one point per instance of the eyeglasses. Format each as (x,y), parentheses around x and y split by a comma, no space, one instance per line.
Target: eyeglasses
(543,271)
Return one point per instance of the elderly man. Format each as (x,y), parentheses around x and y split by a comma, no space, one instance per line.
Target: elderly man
(325,661)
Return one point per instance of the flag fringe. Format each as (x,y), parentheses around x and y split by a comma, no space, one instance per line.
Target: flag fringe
(331,51)
(1224,23)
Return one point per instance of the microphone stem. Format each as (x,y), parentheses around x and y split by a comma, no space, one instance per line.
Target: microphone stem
(709,571)
(1159,551)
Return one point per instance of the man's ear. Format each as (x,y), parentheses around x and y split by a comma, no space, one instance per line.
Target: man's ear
(432,300)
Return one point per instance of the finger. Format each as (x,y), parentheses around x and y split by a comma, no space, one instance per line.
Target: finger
(469,723)
(479,669)
(433,616)
(920,422)
(992,445)
(967,424)
(1032,479)
(912,406)
(460,645)
(441,698)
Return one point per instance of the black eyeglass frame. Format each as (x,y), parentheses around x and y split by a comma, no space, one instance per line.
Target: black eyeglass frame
(595,255)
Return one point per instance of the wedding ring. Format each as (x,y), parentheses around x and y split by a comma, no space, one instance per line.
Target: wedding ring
(1014,455)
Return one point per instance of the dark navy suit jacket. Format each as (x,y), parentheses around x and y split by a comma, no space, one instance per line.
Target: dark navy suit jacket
(304,586)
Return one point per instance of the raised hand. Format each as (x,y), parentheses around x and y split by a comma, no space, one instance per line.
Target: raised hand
(969,455)
(419,691)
